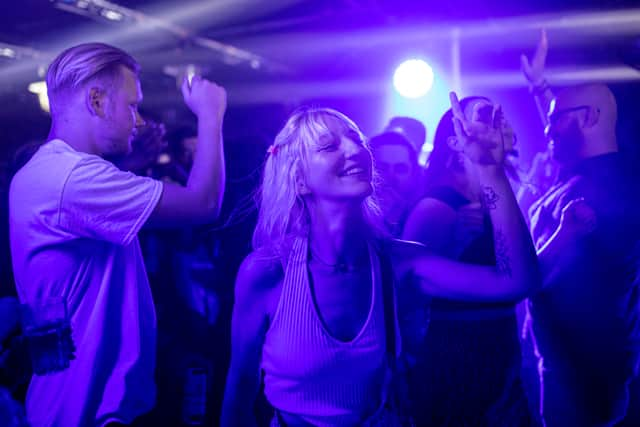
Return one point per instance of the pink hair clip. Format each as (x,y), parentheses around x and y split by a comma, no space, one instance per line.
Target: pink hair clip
(273,149)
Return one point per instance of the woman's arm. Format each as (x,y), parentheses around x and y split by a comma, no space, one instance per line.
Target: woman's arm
(516,272)
(255,280)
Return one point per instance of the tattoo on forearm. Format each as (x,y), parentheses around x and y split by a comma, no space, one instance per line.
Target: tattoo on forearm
(489,197)
(502,258)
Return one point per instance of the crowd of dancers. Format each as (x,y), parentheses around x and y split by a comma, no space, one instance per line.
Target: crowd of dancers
(376,292)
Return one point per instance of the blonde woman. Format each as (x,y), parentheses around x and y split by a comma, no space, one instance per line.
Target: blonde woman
(314,309)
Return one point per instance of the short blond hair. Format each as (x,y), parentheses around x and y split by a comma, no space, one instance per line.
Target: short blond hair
(282,211)
(78,65)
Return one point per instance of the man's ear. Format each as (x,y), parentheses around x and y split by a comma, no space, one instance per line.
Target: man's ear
(96,99)
(591,117)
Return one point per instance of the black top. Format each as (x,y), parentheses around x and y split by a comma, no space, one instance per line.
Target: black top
(586,318)
(479,251)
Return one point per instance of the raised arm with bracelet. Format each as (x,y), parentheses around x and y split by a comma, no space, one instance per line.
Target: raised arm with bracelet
(534,72)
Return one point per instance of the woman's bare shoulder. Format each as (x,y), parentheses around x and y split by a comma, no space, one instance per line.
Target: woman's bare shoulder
(259,272)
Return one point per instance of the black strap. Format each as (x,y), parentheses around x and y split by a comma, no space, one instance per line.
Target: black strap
(399,393)
(388,304)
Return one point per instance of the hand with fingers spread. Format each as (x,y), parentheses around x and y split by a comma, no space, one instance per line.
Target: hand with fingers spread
(205,98)
(534,70)
(481,137)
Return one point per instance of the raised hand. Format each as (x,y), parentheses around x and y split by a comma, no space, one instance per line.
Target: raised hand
(534,70)
(481,138)
(204,98)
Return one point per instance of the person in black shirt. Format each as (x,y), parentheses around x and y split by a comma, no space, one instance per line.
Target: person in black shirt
(585,319)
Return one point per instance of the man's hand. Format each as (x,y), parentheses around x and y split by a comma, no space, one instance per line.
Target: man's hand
(481,138)
(534,70)
(205,98)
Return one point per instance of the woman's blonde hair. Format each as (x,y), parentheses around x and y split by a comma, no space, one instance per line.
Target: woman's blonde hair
(282,212)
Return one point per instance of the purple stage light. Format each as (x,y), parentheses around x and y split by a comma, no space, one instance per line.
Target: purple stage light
(413,78)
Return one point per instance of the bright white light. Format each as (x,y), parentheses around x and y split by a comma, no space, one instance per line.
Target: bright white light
(40,89)
(7,52)
(112,15)
(413,78)
(190,71)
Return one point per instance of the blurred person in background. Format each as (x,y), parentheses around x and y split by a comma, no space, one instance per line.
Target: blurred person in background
(412,129)
(184,281)
(396,162)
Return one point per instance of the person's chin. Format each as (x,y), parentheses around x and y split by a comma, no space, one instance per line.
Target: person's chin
(362,192)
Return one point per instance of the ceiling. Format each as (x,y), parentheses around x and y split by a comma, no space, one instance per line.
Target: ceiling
(288,50)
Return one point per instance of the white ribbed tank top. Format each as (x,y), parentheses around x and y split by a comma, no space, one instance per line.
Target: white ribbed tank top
(310,373)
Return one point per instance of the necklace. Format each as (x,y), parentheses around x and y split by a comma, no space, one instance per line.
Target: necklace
(341,267)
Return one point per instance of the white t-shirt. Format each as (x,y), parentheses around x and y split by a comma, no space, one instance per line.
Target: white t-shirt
(74,219)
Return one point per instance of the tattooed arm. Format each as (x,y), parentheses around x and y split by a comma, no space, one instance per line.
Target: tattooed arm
(516,272)
(516,261)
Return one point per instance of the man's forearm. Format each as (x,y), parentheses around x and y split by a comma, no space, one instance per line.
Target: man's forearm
(543,97)
(207,177)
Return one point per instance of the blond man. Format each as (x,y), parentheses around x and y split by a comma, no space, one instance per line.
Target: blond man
(74,220)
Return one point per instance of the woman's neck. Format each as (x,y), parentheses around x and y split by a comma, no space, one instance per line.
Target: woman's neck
(338,236)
